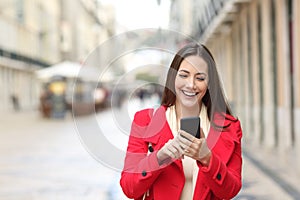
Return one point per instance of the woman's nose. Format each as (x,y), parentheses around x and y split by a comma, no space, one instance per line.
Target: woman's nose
(191,83)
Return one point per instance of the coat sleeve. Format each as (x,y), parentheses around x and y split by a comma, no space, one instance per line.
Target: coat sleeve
(140,168)
(223,177)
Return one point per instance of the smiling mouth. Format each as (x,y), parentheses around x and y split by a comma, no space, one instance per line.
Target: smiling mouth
(190,94)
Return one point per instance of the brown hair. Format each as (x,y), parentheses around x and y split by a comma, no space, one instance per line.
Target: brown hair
(214,98)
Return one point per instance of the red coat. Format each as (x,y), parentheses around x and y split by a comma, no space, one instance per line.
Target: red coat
(142,174)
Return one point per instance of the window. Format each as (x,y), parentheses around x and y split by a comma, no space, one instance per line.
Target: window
(20,11)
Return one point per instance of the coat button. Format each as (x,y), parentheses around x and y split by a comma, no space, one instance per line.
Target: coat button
(144,173)
(150,148)
(219,176)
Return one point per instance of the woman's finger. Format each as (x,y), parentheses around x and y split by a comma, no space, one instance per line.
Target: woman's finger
(186,135)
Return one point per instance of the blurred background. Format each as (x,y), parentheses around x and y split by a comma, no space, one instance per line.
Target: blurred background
(45,45)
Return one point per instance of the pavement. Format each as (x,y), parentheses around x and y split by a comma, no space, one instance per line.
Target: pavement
(49,159)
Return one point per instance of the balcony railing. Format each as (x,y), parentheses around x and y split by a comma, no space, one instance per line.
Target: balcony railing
(214,15)
(22,44)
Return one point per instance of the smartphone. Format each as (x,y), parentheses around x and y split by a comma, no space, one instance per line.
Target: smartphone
(191,125)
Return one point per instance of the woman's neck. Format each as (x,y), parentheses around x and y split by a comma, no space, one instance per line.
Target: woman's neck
(182,111)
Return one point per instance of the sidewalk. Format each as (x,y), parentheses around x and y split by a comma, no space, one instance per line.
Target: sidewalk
(279,170)
(257,185)
(43,159)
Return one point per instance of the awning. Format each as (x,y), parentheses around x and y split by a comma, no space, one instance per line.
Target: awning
(67,69)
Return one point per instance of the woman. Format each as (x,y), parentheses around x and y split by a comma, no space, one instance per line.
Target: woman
(163,162)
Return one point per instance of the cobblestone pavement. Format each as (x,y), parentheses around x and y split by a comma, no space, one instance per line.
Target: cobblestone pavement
(45,159)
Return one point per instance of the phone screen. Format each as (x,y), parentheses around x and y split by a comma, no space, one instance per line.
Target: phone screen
(191,125)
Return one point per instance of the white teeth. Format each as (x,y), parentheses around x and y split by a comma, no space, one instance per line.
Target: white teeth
(189,93)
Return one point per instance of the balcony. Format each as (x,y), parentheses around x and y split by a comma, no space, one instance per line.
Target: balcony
(217,17)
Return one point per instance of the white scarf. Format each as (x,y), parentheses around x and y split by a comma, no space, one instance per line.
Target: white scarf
(190,167)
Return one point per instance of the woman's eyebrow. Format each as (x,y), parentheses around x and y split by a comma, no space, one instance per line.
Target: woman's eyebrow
(199,73)
(183,70)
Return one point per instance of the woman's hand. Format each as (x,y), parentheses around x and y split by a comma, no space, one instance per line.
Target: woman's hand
(194,147)
(170,151)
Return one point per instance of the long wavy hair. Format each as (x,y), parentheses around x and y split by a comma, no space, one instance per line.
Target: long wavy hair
(214,98)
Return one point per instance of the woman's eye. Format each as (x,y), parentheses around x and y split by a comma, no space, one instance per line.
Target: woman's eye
(182,75)
(200,78)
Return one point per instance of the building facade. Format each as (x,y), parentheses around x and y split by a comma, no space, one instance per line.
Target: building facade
(36,34)
(29,39)
(256,44)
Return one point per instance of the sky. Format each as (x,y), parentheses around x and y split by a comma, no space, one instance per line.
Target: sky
(136,14)
(139,14)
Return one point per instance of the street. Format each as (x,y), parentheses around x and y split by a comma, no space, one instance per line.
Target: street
(46,159)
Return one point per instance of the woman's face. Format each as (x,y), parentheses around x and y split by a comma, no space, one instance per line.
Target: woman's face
(191,81)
